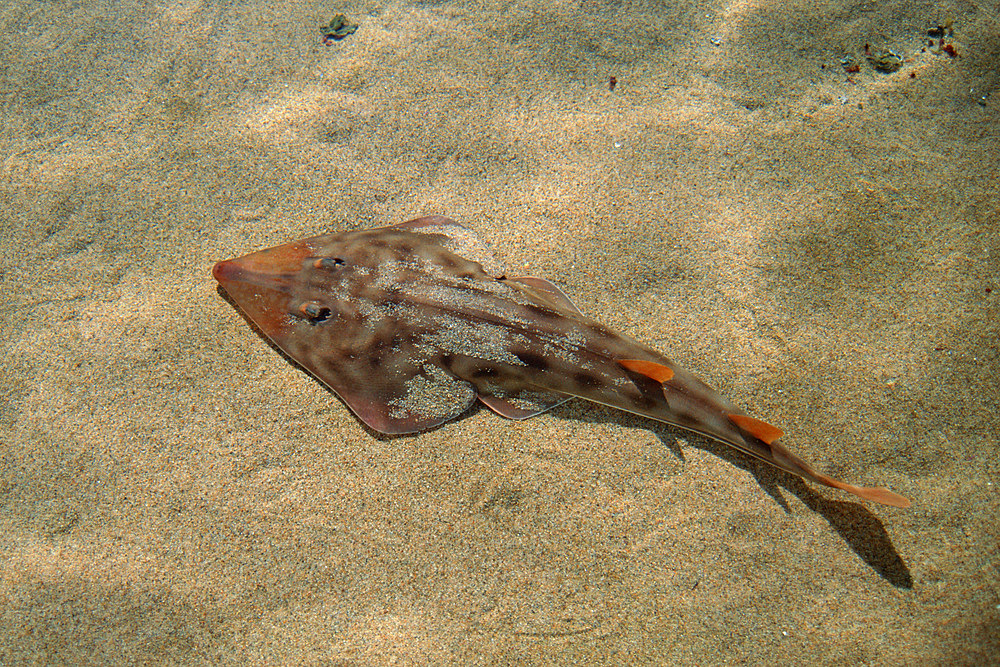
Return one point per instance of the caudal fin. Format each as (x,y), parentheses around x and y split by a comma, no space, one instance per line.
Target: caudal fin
(774,453)
(873,493)
(785,460)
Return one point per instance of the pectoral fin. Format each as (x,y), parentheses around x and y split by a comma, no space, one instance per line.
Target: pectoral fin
(548,291)
(522,406)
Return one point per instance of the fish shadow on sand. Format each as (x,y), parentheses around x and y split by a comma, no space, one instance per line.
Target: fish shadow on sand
(862,530)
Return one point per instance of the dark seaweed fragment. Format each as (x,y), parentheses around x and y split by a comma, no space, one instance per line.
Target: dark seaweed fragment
(338,29)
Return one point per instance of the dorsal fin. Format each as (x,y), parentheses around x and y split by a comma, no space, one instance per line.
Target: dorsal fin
(757,428)
(650,369)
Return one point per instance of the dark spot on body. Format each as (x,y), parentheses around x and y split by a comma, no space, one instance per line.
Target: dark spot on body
(381,345)
(535,361)
(586,380)
(485,372)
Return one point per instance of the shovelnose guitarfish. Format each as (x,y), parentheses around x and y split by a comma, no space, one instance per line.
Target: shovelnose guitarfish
(410,324)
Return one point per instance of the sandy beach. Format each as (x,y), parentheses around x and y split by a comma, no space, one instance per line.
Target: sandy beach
(797,202)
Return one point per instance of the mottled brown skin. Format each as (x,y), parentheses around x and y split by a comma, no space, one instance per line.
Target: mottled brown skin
(409,324)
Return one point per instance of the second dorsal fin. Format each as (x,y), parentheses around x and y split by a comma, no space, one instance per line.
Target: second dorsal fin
(757,428)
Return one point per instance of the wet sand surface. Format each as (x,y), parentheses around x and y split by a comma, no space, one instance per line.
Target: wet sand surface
(819,244)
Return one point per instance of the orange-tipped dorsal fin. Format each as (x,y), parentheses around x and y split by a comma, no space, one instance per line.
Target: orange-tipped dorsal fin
(757,428)
(650,369)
